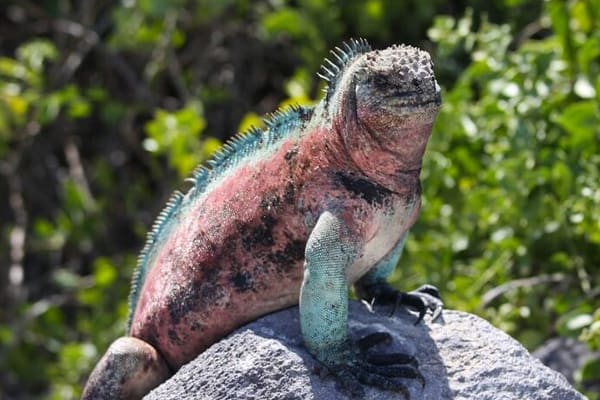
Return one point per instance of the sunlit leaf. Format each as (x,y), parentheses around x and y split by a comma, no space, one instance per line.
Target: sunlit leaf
(582,121)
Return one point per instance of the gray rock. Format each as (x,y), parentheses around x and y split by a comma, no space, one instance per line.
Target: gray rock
(568,356)
(460,356)
(565,355)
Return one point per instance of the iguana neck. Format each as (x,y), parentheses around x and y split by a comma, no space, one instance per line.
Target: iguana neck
(391,163)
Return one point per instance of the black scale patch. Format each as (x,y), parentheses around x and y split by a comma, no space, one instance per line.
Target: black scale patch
(242,281)
(373,193)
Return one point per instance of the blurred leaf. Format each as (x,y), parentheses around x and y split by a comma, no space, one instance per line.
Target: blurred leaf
(34,53)
(250,120)
(176,135)
(66,279)
(579,321)
(285,20)
(582,121)
(591,333)
(6,335)
(589,373)
(104,272)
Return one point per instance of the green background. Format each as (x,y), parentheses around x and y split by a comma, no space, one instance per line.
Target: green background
(106,106)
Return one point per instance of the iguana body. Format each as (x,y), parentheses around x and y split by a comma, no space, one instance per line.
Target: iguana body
(322,199)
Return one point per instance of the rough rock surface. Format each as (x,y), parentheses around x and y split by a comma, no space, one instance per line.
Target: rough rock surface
(460,356)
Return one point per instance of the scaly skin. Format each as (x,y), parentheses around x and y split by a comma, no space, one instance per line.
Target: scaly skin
(321,200)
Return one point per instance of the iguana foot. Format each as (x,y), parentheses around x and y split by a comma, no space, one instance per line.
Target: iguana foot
(384,371)
(424,299)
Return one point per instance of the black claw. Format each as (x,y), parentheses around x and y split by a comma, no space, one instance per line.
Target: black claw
(421,379)
(383,382)
(401,298)
(436,313)
(426,298)
(422,313)
(373,339)
(395,371)
(419,318)
(391,359)
(420,301)
(382,370)
(430,290)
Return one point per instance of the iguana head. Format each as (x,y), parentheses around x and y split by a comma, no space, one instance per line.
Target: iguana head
(383,104)
(395,86)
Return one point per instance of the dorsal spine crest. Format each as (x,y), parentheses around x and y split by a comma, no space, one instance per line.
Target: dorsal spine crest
(332,71)
(279,124)
(158,227)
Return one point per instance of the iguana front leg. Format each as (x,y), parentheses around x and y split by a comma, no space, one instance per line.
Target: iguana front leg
(373,286)
(331,249)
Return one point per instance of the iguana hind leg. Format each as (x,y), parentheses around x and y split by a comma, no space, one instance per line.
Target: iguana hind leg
(373,286)
(129,369)
(330,251)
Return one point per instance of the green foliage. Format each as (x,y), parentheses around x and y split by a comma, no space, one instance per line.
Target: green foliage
(591,333)
(104,108)
(22,83)
(176,135)
(512,177)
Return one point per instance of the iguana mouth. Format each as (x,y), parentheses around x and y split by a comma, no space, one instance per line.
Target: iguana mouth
(414,105)
(410,101)
(411,94)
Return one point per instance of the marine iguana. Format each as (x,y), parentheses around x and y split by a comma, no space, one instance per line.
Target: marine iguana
(321,199)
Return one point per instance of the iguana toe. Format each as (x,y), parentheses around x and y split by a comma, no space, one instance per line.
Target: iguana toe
(384,371)
(373,339)
(424,299)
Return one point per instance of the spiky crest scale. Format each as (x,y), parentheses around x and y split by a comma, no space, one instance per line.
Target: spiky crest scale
(331,71)
(140,272)
(279,124)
